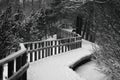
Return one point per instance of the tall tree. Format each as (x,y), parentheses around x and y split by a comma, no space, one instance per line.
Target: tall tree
(24,3)
(8,1)
(39,4)
(32,4)
(104,19)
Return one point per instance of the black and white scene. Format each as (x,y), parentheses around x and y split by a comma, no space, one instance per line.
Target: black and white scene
(59,39)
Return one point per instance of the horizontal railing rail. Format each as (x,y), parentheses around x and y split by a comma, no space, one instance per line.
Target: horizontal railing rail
(17,65)
(63,40)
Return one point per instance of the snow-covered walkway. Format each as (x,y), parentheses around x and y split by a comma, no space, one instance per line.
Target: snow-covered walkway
(57,67)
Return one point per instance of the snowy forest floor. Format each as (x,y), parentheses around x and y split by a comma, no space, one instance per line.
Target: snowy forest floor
(90,71)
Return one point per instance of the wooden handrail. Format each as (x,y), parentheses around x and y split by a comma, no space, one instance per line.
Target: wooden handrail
(54,46)
(50,40)
(13,55)
(20,71)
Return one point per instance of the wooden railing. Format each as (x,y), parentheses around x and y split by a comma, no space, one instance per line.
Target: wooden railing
(17,65)
(17,62)
(42,49)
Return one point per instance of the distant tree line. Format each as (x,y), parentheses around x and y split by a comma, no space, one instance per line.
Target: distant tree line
(16,28)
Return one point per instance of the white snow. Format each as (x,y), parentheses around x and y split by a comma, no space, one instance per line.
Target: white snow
(57,67)
(90,71)
(54,37)
(69,30)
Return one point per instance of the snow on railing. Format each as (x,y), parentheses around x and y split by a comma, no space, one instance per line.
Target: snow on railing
(42,49)
(17,65)
(65,34)
(61,33)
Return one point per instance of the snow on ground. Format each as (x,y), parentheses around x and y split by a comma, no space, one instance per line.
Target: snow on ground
(57,67)
(69,30)
(54,37)
(90,71)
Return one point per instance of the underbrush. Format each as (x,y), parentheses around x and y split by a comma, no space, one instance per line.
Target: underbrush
(108,56)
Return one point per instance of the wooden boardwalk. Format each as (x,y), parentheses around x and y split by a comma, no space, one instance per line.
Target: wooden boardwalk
(57,67)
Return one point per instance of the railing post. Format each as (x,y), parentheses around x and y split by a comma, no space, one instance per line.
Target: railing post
(27,46)
(33,47)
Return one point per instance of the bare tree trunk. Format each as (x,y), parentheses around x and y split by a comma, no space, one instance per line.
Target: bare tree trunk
(24,1)
(32,5)
(79,23)
(8,2)
(84,29)
(16,2)
(39,3)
